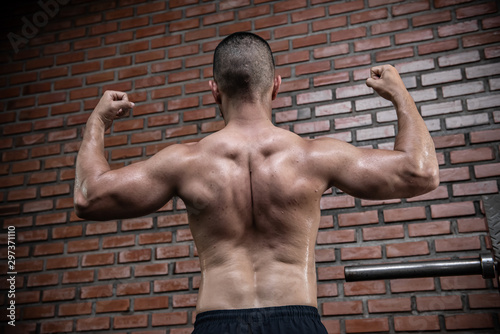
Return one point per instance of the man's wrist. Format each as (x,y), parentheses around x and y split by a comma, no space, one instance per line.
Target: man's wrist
(401,99)
(95,121)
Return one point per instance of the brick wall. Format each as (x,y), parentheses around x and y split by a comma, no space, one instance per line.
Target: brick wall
(142,275)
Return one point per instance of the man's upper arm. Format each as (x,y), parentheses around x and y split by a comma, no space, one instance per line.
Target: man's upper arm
(367,173)
(132,191)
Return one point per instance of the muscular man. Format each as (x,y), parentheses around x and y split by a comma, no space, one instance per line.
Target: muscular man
(253,190)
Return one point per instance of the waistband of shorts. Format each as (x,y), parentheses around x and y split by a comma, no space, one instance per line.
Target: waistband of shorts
(258,314)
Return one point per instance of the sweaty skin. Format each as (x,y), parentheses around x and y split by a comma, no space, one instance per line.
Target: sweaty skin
(252,190)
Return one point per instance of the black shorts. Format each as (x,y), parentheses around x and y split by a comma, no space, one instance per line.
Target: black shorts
(268,320)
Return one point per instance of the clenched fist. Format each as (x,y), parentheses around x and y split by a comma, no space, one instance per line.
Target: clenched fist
(385,80)
(113,105)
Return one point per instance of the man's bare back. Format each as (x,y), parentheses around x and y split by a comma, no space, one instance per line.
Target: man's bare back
(254,213)
(252,190)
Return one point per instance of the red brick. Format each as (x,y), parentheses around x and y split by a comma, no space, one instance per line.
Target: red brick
(155,269)
(308,14)
(328,273)
(114,273)
(151,303)
(444,3)
(414,36)
(185,300)
(330,23)
(175,284)
(310,127)
(404,214)
(183,51)
(309,41)
(438,47)
(476,10)
(453,209)
(289,5)
(316,67)
(188,266)
(454,174)
(468,321)
(412,284)
(172,251)
(457,29)
(417,323)
(336,202)
(427,229)
(332,237)
(480,39)
(484,300)
(298,29)
(93,324)
(101,228)
(475,188)
(116,305)
(457,244)
(218,18)
(183,103)
(383,232)
(268,22)
(43,279)
(327,290)
(347,34)
(70,277)
(170,318)
(48,249)
(435,303)
(367,325)
(485,136)
(62,263)
(357,253)
(370,44)
(59,294)
(29,266)
(293,57)
(96,291)
(358,218)
(352,61)
(37,312)
(407,249)
(83,245)
(364,288)
(414,7)
(389,305)
(463,282)
(343,308)
(373,15)
(56,327)
(440,192)
(132,288)
(471,155)
(488,170)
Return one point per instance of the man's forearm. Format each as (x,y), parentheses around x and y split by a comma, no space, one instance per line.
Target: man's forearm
(415,141)
(91,161)
(413,136)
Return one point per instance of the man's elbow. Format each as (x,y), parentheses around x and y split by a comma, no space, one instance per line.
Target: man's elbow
(426,179)
(81,205)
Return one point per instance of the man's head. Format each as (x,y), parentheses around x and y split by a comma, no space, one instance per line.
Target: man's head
(244,67)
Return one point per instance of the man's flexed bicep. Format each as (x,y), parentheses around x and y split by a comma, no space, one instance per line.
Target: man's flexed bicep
(409,170)
(103,194)
(370,173)
(132,191)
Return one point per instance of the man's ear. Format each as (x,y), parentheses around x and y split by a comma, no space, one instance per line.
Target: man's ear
(215,91)
(276,86)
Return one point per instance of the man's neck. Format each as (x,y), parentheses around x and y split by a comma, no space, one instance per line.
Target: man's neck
(247,113)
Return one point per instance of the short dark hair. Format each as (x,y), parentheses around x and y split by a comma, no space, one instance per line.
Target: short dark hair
(243,66)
